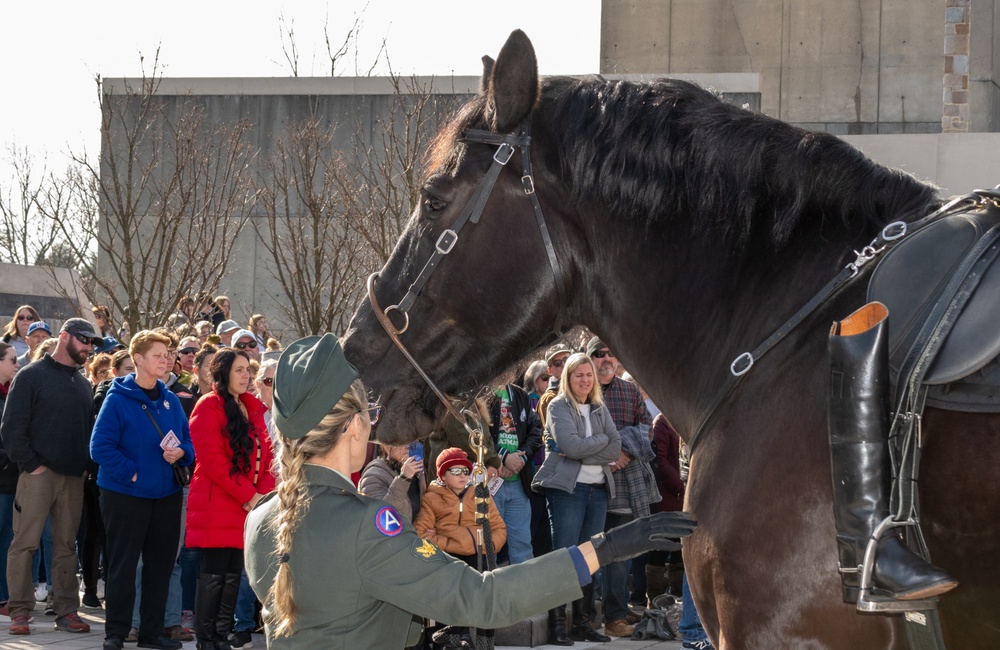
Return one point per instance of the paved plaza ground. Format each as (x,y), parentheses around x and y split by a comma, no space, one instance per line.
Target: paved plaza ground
(43,635)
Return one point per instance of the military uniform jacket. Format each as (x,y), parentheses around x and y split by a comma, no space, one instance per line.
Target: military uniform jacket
(359,572)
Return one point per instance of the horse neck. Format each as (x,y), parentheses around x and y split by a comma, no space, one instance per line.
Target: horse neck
(676,310)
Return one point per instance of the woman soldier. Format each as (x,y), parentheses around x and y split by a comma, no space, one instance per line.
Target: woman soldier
(337,569)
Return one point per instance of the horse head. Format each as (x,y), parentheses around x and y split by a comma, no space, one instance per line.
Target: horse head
(485,299)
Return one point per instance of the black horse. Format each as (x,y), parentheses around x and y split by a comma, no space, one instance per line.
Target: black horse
(686,230)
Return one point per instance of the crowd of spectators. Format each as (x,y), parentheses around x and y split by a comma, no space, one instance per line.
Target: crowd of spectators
(100,431)
(130,461)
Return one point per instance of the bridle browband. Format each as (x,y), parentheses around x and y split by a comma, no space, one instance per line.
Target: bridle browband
(473,210)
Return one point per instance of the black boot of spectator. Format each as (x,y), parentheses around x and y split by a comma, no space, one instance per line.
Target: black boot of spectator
(206,611)
(227,606)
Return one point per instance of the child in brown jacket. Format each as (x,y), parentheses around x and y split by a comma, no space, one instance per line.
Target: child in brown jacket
(447,516)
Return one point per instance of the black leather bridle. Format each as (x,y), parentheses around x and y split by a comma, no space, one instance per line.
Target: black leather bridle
(473,210)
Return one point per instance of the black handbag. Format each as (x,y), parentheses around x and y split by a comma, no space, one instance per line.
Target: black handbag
(182,473)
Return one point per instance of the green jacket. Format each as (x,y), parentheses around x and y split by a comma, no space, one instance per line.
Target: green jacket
(358,587)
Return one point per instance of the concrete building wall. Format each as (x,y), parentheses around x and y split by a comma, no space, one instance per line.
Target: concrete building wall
(56,294)
(872,66)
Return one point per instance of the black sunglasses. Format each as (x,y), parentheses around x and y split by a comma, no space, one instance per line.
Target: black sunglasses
(557,363)
(187,350)
(459,471)
(246,344)
(87,340)
(543,377)
(601,354)
(29,317)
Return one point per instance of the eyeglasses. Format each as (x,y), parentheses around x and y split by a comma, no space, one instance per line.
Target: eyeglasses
(243,345)
(28,318)
(87,340)
(557,363)
(267,381)
(459,471)
(600,354)
(543,377)
(188,350)
(374,412)
(103,373)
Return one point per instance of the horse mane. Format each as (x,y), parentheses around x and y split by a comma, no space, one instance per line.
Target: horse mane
(645,151)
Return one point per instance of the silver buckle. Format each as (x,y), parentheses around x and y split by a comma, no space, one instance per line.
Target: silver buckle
(446,242)
(528,183)
(746,358)
(501,150)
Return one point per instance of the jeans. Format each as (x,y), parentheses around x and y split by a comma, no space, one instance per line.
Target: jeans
(6,536)
(616,577)
(515,510)
(576,517)
(689,626)
(246,607)
(41,561)
(190,563)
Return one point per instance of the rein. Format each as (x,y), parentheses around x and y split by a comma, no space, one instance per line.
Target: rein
(891,235)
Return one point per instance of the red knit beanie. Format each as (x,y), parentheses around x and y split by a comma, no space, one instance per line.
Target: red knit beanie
(452,457)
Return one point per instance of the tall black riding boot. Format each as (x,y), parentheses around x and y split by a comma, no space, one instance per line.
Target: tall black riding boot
(583,613)
(557,627)
(227,606)
(859,452)
(206,609)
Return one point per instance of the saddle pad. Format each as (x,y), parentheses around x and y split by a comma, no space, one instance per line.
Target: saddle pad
(909,281)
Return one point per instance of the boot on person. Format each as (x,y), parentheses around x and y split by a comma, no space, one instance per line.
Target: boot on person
(859,415)
(583,614)
(558,634)
(206,611)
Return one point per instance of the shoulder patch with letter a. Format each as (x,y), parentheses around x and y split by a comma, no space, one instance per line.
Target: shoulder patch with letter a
(388,521)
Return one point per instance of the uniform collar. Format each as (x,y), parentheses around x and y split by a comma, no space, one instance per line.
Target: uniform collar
(321,475)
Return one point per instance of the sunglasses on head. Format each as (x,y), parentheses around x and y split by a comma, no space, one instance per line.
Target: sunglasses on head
(267,381)
(459,471)
(243,345)
(600,354)
(187,350)
(29,317)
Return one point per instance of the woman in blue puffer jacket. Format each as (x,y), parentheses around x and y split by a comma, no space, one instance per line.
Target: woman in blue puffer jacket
(140,432)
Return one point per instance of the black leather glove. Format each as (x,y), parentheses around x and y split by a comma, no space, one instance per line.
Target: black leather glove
(655,532)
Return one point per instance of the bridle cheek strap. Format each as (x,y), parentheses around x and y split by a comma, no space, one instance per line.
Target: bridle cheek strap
(473,210)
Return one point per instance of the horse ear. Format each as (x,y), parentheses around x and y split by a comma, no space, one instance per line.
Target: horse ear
(487,71)
(513,83)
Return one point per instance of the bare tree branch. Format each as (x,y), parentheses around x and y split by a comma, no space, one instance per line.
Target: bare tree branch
(172,191)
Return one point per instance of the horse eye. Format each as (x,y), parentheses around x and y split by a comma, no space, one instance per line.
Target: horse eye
(432,205)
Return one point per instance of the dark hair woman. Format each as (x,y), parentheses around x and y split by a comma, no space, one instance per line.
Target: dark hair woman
(232,472)
(16,331)
(8,471)
(329,563)
(140,432)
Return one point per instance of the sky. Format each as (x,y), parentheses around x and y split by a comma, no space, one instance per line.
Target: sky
(51,51)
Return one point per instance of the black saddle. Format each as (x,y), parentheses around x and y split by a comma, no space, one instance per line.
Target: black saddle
(916,281)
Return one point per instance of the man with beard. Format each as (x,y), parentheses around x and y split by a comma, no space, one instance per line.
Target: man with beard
(631,500)
(46,431)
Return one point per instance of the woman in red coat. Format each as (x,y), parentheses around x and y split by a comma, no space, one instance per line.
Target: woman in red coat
(232,472)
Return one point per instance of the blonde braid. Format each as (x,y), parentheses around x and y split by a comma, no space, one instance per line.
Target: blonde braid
(293,499)
(292,492)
